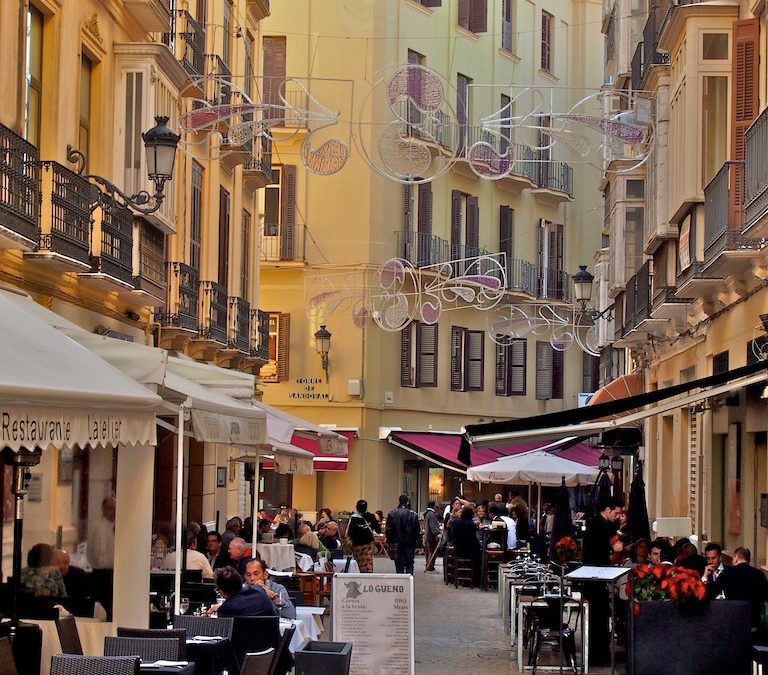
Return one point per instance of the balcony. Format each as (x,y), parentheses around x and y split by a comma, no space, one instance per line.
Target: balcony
(522,276)
(422,249)
(238,334)
(259,345)
(257,170)
(190,43)
(19,192)
(651,35)
(149,280)
(287,103)
(693,282)
(555,183)
(551,284)
(281,244)
(756,184)
(179,320)
(433,128)
(65,220)
(212,334)
(112,254)
(637,68)
(257,9)
(666,304)
(152,15)
(219,91)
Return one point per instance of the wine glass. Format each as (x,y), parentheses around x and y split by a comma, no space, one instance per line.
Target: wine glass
(183,605)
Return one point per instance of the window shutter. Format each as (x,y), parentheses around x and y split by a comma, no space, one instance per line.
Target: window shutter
(506,221)
(406,363)
(464,13)
(425,209)
(288,208)
(506,25)
(274,49)
(426,354)
(408,207)
(501,370)
(506,124)
(223,237)
(546,35)
(473,227)
(720,363)
(557,273)
(462,102)
(541,256)
(478,17)
(457,358)
(558,360)
(590,368)
(431,3)
(475,355)
(543,371)
(517,364)
(283,346)
(455,224)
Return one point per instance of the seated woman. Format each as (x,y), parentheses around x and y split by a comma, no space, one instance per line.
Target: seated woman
(464,537)
(42,576)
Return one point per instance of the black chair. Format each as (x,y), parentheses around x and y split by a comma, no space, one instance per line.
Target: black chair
(179,634)
(7,662)
(283,661)
(259,663)
(254,634)
(549,628)
(69,637)
(296,596)
(73,664)
(147,649)
(203,625)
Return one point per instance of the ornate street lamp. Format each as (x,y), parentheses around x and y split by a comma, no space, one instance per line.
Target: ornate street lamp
(582,291)
(323,346)
(604,463)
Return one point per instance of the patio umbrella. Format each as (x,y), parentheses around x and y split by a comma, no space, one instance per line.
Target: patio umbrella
(601,491)
(563,523)
(637,508)
(538,466)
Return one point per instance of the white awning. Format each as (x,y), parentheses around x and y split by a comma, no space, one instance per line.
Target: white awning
(54,392)
(282,426)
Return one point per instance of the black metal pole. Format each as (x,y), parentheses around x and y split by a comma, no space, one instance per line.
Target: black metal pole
(18,531)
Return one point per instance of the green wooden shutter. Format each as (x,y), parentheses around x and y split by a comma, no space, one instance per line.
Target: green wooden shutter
(426,355)
(543,371)
(288,215)
(475,360)
(457,358)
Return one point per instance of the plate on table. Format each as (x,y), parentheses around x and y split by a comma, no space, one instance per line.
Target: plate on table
(206,638)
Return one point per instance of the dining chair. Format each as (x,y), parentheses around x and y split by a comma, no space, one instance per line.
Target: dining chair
(204,625)
(147,649)
(254,634)
(258,663)
(75,664)
(283,660)
(179,634)
(69,637)
(7,662)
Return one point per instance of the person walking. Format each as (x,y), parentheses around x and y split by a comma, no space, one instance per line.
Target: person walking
(431,536)
(402,534)
(360,530)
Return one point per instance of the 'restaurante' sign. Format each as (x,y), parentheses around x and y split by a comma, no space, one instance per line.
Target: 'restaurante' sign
(30,427)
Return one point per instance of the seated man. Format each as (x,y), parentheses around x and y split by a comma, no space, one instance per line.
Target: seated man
(308,541)
(330,536)
(239,601)
(741,581)
(195,559)
(76,579)
(218,556)
(257,577)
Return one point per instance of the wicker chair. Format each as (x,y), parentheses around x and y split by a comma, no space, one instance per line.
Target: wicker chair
(254,634)
(69,637)
(163,633)
(259,663)
(203,625)
(74,664)
(147,649)
(7,663)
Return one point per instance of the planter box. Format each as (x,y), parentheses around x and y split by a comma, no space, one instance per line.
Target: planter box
(667,641)
(323,658)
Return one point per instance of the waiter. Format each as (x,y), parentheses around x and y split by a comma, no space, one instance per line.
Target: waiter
(597,549)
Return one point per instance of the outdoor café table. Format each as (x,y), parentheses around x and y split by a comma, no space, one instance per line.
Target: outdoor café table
(92,633)
(300,636)
(339,564)
(211,657)
(278,556)
(148,668)
(312,617)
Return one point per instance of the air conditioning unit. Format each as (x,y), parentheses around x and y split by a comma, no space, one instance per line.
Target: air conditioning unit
(584,398)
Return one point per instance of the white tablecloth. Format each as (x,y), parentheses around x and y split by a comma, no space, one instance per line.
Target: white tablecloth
(278,556)
(313,618)
(338,566)
(92,634)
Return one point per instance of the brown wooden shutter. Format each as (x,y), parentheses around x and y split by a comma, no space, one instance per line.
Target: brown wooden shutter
(431,3)
(456,198)
(283,346)
(590,368)
(559,276)
(426,355)
(457,358)
(501,370)
(406,359)
(541,231)
(506,233)
(407,207)
(546,35)
(475,360)
(288,212)
(463,19)
(543,371)
(558,360)
(478,16)
(518,352)
(506,26)
(274,51)
(425,209)
(223,237)
(462,103)
(473,226)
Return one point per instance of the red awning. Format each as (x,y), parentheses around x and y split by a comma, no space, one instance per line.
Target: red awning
(325,461)
(443,449)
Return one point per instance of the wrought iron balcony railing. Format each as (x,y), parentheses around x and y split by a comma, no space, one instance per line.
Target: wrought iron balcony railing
(240,325)
(213,312)
(260,334)
(277,243)
(151,276)
(556,176)
(422,249)
(637,68)
(220,92)
(723,208)
(182,308)
(191,36)
(116,256)
(756,161)
(261,161)
(19,185)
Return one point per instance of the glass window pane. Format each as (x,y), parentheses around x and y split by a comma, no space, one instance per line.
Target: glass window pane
(715,47)
(714,118)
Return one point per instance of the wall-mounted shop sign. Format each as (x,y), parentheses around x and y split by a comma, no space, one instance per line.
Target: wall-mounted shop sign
(307,390)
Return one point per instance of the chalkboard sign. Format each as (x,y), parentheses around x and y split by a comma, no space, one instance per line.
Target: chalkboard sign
(375,613)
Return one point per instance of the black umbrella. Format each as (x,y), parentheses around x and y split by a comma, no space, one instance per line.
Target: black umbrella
(637,508)
(562,526)
(601,491)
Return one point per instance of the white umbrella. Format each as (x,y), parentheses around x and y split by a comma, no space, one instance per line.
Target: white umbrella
(537,466)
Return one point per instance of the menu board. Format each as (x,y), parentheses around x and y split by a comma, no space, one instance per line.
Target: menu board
(375,613)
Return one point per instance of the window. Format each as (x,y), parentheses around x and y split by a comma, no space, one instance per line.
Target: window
(248,65)
(635,189)
(473,15)
(280,214)
(506,25)
(226,31)
(84,129)
(276,369)
(272,205)
(757,350)
(545,151)
(715,47)
(547,24)
(714,118)
(224,213)
(151,253)
(418,355)
(196,216)
(462,107)
(590,368)
(419,247)
(549,372)
(467,359)
(246,248)
(510,368)
(720,363)
(634,217)
(551,241)
(506,123)
(415,80)
(465,232)
(274,48)
(34,74)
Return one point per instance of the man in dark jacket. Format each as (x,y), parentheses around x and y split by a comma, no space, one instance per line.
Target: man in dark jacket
(431,536)
(402,534)
(239,601)
(741,581)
